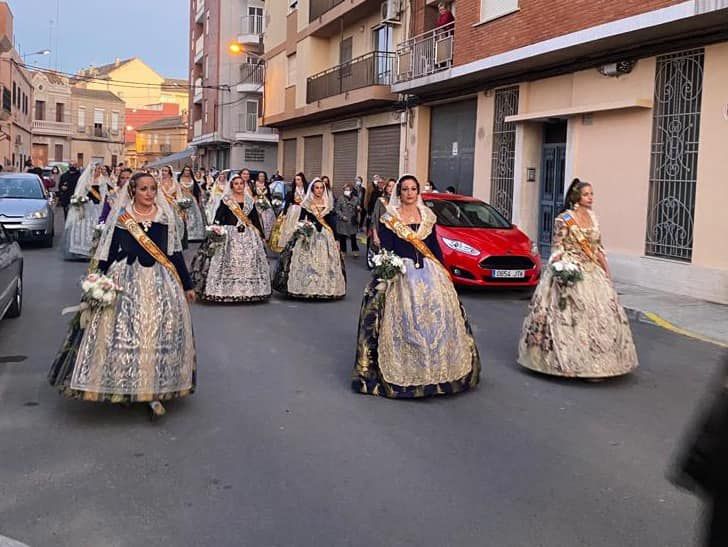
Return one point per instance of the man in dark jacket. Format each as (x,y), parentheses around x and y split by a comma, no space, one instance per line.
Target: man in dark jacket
(67,186)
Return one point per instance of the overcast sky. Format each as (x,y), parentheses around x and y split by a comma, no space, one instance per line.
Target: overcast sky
(97,31)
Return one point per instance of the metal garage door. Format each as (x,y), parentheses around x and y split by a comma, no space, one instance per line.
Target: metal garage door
(289,159)
(452,146)
(383,152)
(345,152)
(312,151)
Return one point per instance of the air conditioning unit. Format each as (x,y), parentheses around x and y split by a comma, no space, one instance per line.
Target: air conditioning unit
(390,11)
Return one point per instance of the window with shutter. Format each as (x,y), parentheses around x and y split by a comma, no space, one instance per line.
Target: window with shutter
(492,9)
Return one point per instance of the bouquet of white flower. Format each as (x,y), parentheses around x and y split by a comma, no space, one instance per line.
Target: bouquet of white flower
(216,234)
(305,229)
(78,201)
(263,204)
(387,266)
(98,290)
(184,203)
(565,274)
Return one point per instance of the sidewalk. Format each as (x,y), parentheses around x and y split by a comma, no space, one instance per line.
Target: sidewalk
(684,315)
(7,542)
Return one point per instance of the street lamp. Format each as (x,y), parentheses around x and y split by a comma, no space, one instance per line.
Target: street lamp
(40,52)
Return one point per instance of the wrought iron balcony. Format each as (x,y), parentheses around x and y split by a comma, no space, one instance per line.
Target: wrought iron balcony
(425,54)
(374,68)
(318,7)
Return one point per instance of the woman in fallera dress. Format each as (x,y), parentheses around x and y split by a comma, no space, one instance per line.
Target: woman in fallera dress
(215,191)
(172,192)
(579,330)
(141,347)
(84,212)
(234,269)
(191,190)
(414,339)
(311,266)
(263,205)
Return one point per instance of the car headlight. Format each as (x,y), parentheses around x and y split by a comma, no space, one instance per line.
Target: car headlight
(460,247)
(35,215)
(534,249)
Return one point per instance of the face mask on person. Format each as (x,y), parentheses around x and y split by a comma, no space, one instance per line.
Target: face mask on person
(358,182)
(347,193)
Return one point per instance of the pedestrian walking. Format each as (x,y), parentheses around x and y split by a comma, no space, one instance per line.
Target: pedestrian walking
(138,347)
(263,205)
(576,326)
(231,264)
(67,186)
(55,178)
(172,192)
(414,339)
(191,190)
(311,266)
(347,217)
(113,194)
(85,209)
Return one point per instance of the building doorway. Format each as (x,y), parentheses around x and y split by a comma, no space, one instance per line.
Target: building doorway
(452,146)
(553,170)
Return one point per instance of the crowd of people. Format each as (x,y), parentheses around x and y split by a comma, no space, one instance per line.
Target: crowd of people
(131,339)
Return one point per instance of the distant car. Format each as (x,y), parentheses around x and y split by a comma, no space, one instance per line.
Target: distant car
(480,247)
(11,276)
(25,208)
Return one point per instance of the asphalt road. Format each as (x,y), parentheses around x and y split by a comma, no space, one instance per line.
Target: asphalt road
(275,450)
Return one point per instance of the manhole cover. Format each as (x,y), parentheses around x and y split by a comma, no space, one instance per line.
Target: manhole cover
(12,358)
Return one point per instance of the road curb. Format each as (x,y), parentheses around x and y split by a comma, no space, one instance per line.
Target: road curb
(654,319)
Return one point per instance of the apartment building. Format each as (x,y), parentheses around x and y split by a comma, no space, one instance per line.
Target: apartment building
(160,138)
(136,83)
(52,129)
(138,117)
(516,97)
(97,120)
(330,65)
(227,74)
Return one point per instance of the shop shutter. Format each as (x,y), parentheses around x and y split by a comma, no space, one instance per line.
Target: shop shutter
(383,151)
(289,159)
(312,152)
(345,152)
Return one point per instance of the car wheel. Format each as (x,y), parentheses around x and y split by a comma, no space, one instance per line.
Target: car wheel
(17,306)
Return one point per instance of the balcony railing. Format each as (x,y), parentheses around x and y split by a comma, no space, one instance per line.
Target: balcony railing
(318,7)
(425,54)
(374,68)
(200,11)
(51,127)
(252,73)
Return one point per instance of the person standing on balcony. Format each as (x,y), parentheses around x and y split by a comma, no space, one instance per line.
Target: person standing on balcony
(446,17)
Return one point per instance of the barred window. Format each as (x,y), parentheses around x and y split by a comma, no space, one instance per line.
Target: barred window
(674,162)
(504,151)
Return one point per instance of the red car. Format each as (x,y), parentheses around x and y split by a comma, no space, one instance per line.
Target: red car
(480,247)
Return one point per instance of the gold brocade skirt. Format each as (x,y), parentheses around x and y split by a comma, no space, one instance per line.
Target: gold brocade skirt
(414,339)
(580,331)
(139,349)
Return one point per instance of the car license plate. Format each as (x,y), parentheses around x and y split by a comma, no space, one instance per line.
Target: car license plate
(509,274)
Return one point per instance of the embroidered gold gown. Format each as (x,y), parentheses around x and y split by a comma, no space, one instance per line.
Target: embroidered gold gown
(588,334)
(194,215)
(311,267)
(414,339)
(141,348)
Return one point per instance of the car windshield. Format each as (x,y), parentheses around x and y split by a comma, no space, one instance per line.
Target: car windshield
(21,188)
(467,214)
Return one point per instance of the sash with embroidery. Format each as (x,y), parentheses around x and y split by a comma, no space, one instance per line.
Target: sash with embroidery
(235,208)
(404,232)
(146,242)
(575,229)
(321,220)
(95,193)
